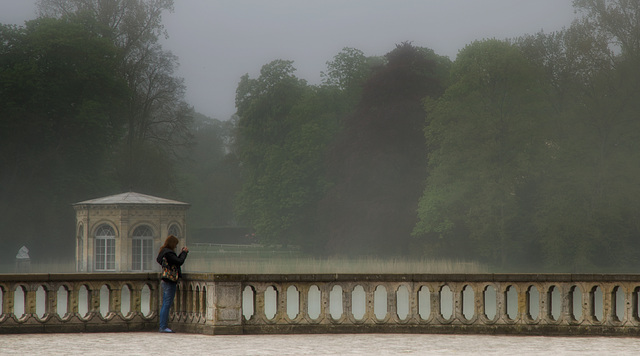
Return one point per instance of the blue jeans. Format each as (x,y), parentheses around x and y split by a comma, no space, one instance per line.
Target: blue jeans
(168,293)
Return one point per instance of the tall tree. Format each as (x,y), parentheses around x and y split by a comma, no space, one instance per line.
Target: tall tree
(284,128)
(377,164)
(486,132)
(60,117)
(210,175)
(589,193)
(157,117)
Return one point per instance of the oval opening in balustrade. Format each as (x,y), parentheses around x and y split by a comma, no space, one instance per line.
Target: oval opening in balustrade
(468,302)
(618,298)
(187,306)
(248,302)
(358,302)
(196,307)
(19,301)
(63,301)
(125,300)
(490,301)
(145,300)
(62,305)
(104,300)
(293,302)
(192,298)
(204,301)
(596,303)
(270,302)
(533,302)
(335,302)
(176,307)
(511,301)
(380,302)
(554,298)
(402,302)
(83,301)
(446,302)
(576,302)
(41,298)
(313,307)
(424,302)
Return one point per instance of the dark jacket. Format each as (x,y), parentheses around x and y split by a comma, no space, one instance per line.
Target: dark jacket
(172,259)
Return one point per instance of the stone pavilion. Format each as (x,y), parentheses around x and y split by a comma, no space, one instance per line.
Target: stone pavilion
(123,232)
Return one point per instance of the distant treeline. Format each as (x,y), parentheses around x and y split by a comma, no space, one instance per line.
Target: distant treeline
(521,153)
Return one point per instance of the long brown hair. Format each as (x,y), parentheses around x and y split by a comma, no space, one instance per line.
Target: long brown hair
(171,242)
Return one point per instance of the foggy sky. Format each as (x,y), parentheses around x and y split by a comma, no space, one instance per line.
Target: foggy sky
(219,41)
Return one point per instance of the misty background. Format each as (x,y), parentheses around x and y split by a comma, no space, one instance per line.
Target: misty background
(503,132)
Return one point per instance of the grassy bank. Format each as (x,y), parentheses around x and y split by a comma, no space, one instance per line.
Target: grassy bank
(252,263)
(246,265)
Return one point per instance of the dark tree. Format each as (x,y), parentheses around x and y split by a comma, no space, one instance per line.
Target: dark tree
(60,117)
(378,164)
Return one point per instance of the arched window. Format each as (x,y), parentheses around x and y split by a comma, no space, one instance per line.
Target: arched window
(174,230)
(105,252)
(142,249)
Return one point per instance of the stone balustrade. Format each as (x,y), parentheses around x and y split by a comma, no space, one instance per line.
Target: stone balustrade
(78,302)
(531,304)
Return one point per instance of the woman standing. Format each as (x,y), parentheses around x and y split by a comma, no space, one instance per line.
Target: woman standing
(168,255)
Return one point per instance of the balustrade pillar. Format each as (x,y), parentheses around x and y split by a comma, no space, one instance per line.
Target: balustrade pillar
(369,291)
(325,302)
(51,300)
(94,300)
(566,309)
(347,301)
(303,301)
(436,297)
(392,302)
(414,313)
(502,315)
(136,299)
(115,300)
(72,299)
(30,300)
(7,302)
(630,300)
(224,307)
(523,303)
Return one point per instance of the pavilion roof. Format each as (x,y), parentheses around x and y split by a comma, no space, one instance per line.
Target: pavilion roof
(130,198)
